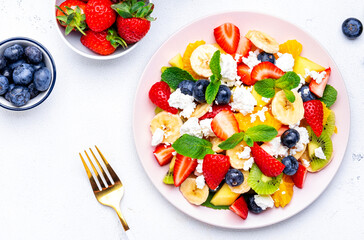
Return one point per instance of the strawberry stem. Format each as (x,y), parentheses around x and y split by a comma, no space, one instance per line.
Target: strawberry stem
(134,8)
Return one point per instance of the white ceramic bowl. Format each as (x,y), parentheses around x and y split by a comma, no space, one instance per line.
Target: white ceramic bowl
(72,40)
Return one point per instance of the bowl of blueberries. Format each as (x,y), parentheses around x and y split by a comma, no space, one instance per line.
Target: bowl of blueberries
(27,73)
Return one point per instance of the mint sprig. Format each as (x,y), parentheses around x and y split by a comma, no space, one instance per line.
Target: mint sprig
(192,147)
(213,87)
(174,75)
(329,96)
(266,88)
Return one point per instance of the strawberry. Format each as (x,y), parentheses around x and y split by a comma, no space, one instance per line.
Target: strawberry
(103,43)
(319,89)
(227,36)
(269,166)
(99,15)
(244,74)
(282,130)
(215,110)
(71,14)
(183,167)
(214,168)
(265,70)
(224,124)
(243,49)
(163,153)
(134,19)
(159,94)
(300,176)
(314,115)
(240,207)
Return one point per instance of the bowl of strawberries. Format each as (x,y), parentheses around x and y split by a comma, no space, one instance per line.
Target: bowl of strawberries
(103,29)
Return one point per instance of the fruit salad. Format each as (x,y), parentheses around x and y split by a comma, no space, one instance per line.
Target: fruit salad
(241,121)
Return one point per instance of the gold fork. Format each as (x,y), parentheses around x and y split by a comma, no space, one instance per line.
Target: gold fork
(110,194)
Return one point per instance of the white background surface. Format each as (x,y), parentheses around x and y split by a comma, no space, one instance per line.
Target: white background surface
(45,193)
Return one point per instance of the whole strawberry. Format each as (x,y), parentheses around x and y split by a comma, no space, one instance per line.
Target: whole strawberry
(314,115)
(71,14)
(214,168)
(159,94)
(99,15)
(134,19)
(269,166)
(103,43)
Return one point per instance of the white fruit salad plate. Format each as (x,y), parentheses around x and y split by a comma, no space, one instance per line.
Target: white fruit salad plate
(270,35)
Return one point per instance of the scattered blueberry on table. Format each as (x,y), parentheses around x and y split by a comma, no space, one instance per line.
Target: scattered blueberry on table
(352,28)
(23,74)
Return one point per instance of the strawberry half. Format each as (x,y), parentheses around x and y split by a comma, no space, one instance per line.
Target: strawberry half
(243,49)
(215,110)
(214,168)
(224,124)
(314,115)
(269,166)
(183,167)
(244,74)
(318,89)
(227,36)
(265,70)
(240,207)
(159,94)
(300,176)
(163,153)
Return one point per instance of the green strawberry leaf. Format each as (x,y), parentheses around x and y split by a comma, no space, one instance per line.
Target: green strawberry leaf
(288,81)
(265,88)
(329,96)
(174,75)
(232,141)
(192,147)
(261,133)
(289,95)
(208,203)
(211,91)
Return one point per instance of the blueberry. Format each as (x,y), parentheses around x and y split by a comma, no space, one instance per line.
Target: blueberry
(38,66)
(4,85)
(306,94)
(199,90)
(14,52)
(187,86)
(33,91)
(223,95)
(19,96)
(42,79)
(2,62)
(352,28)
(33,54)
(7,95)
(291,164)
(16,64)
(23,74)
(290,137)
(234,177)
(8,73)
(252,206)
(266,57)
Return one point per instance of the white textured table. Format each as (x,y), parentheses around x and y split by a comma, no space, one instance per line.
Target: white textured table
(45,193)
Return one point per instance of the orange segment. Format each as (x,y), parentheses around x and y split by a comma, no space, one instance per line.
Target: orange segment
(327,112)
(186,57)
(292,47)
(245,121)
(285,192)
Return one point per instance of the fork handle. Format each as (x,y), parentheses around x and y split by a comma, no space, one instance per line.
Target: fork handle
(122,219)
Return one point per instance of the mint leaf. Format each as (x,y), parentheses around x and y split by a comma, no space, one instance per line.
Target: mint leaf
(174,75)
(208,203)
(215,65)
(289,95)
(261,133)
(232,141)
(211,91)
(288,81)
(192,147)
(265,88)
(329,96)
(249,141)
(213,87)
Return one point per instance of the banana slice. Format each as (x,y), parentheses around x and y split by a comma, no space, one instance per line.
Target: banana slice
(169,123)
(297,155)
(215,144)
(263,41)
(201,110)
(285,111)
(193,194)
(200,59)
(235,161)
(244,187)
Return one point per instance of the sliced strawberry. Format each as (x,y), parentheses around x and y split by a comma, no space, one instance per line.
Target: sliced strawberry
(159,94)
(163,153)
(265,70)
(243,49)
(269,166)
(314,115)
(300,176)
(183,167)
(240,207)
(318,89)
(282,130)
(214,168)
(215,110)
(227,36)
(244,74)
(224,124)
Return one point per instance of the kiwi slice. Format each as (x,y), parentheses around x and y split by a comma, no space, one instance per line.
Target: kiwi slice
(168,178)
(262,184)
(329,127)
(324,141)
